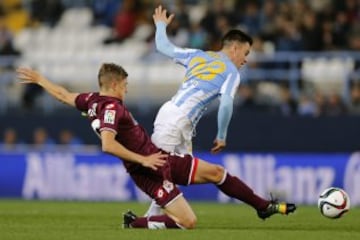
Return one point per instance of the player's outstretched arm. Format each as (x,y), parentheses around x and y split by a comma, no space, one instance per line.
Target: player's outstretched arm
(28,75)
(162,42)
(111,146)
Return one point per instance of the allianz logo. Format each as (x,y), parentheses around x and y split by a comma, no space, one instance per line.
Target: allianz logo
(295,181)
(57,176)
(61,176)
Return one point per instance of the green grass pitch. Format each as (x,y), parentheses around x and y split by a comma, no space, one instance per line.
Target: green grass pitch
(52,220)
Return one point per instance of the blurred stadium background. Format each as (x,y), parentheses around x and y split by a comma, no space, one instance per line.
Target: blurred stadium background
(295,129)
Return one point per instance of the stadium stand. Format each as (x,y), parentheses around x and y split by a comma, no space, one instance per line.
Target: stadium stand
(70,47)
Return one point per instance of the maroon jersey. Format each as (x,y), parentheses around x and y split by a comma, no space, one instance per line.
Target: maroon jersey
(109,113)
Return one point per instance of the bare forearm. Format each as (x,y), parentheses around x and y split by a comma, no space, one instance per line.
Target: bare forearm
(30,76)
(54,90)
(58,92)
(119,150)
(111,146)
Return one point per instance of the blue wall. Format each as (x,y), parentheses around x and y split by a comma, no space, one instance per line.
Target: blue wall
(96,176)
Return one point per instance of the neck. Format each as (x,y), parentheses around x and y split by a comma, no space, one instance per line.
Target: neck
(226,52)
(109,94)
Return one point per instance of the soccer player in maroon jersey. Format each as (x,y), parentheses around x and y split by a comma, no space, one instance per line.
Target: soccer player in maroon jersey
(154,171)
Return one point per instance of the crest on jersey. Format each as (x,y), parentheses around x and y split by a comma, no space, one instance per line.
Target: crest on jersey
(109,116)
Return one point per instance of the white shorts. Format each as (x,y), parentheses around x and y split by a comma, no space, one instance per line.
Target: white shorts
(172,130)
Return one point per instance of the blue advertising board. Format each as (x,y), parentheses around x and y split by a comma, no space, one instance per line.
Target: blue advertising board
(97,176)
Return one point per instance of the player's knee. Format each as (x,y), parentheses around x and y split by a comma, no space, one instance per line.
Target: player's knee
(220,171)
(217,173)
(188,222)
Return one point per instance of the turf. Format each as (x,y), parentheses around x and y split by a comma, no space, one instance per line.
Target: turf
(102,220)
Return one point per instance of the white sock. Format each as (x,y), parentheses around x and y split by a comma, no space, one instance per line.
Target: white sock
(156,225)
(154,210)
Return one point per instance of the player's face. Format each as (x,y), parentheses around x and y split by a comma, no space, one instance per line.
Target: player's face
(241,51)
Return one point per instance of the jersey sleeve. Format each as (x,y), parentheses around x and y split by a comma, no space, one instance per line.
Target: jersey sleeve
(163,45)
(81,101)
(231,84)
(224,116)
(183,56)
(110,116)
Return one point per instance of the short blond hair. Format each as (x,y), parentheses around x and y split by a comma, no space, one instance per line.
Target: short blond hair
(110,71)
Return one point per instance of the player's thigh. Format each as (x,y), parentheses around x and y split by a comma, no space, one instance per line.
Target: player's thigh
(186,170)
(208,173)
(181,212)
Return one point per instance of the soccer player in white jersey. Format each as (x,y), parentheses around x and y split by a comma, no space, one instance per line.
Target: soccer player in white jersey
(209,76)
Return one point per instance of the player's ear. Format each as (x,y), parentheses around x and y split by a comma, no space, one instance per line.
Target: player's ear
(113,84)
(234,48)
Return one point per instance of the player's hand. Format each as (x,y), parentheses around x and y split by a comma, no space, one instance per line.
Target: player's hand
(28,75)
(219,145)
(160,15)
(155,160)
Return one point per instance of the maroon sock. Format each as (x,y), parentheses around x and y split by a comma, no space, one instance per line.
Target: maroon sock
(234,187)
(154,222)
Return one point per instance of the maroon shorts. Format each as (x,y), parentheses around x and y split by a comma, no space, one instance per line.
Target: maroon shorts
(160,185)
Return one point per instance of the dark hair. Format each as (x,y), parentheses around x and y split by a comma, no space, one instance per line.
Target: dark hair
(236,35)
(110,71)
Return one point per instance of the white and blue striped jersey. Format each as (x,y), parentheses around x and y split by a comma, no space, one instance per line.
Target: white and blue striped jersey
(208,75)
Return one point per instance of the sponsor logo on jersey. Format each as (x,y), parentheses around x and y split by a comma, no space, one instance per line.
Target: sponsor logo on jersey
(109,116)
(160,193)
